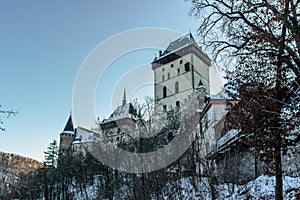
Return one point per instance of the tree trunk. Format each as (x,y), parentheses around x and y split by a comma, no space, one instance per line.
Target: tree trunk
(278,187)
(46,186)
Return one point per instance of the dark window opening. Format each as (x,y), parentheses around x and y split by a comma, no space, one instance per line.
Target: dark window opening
(165,107)
(176,87)
(178,71)
(180,61)
(205,122)
(163,69)
(168,75)
(164,91)
(163,77)
(177,104)
(172,65)
(187,66)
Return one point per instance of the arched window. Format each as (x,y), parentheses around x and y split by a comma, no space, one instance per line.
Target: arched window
(176,87)
(164,91)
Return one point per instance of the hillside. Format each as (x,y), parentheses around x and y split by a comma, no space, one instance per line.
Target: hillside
(11,167)
(195,188)
(260,188)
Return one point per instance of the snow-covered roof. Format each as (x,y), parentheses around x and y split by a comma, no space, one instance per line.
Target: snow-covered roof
(225,93)
(176,49)
(229,138)
(84,135)
(69,132)
(221,95)
(180,42)
(201,87)
(121,112)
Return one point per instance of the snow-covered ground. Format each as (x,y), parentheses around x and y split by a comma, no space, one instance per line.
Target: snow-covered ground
(194,188)
(261,188)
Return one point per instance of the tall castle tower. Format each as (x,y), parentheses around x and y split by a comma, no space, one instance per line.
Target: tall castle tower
(67,136)
(178,71)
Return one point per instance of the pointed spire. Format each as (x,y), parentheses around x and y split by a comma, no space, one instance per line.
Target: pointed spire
(124,98)
(69,126)
(200,85)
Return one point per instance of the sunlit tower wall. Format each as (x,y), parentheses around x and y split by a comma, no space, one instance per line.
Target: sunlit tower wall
(178,71)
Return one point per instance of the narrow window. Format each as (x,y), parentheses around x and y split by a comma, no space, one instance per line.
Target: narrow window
(172,65)
(178,71)
(177,104)
(164,91)
(165,107)
(187,66)
(205,121)
(163,77)
(163,69)
(176,87)
(180,62)
(168,75)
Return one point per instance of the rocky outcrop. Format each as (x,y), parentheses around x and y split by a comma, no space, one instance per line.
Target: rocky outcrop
(12,166)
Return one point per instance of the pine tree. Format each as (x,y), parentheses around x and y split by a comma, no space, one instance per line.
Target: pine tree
(51,155)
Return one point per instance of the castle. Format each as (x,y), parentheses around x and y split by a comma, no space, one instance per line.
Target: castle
(181,73)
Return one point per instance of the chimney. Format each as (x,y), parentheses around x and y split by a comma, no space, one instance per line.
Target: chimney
(124,98)
(160,53)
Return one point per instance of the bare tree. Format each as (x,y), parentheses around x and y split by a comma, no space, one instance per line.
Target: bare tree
(263,36)
(7,114)
(239,28)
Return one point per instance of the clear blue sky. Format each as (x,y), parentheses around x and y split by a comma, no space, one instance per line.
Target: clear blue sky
(42,45)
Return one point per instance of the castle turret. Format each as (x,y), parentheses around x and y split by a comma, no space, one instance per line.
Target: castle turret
(67,136)
(201,90)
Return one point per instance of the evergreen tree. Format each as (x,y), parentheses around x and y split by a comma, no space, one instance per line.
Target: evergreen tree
(51,154)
